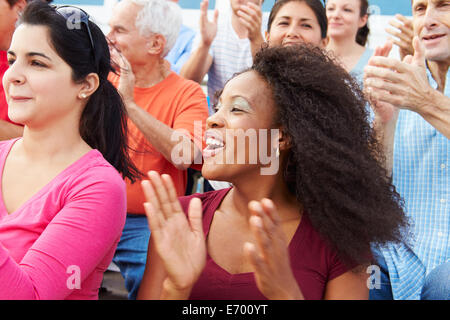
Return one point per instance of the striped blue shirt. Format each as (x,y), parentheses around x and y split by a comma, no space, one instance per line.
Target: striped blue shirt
(421,174)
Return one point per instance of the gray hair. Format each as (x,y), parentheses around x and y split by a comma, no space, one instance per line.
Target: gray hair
(161,17)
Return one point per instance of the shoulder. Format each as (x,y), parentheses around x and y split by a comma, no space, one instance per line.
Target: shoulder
(183,84)
(322,253)
(5,145)
(95,173)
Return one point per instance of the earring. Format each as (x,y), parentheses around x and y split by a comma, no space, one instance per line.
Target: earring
(83,95)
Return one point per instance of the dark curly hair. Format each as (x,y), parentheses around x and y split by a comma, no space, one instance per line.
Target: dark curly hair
(333,166)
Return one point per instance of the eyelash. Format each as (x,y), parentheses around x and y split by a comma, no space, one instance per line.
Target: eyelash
(216,108)
(34,63)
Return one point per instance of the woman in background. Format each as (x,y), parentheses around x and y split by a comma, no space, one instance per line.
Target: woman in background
(293,22)
(348,32)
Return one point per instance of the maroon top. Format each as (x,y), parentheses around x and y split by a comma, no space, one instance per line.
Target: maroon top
(312,261)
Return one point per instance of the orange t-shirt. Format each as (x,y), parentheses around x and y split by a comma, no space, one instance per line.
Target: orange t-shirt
(176,102)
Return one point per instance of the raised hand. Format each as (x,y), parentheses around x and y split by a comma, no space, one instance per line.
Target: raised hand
(402,84)
(403,35)
(250,16)
(127,78)
(179,241)
(208,29)
(269,254)
(384,112)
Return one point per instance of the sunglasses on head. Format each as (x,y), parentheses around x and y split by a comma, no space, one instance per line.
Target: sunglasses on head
(75,17)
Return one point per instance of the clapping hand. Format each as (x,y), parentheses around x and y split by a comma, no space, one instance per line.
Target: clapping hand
(179,240)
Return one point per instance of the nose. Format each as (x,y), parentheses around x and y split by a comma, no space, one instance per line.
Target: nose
(293,32)
(14,75)
(215,121)
(430,18)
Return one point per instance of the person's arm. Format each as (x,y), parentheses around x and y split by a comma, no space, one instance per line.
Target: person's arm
(177,249)
(405,85)
(164,138)
(200,60)
(10,130)
(348,286)
(75,242)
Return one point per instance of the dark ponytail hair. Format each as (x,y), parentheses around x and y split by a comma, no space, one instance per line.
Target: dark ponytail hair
(103,123)
(315,5)
(363,32)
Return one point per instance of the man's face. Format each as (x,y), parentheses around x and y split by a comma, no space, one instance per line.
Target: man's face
(8,19)
(124,34)
(431,20)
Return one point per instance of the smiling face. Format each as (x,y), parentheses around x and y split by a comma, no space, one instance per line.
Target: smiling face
(295,23)
(431,21)
(245,107)
(344,18)
(38,84)
(124,34)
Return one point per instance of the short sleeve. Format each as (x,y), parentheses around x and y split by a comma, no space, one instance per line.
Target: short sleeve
(336,266)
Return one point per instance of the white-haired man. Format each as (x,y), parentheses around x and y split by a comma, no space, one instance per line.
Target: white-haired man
(159,103)
(411,101)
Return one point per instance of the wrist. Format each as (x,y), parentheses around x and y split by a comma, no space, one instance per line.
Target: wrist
(174,292)
(433,104)
(206,44)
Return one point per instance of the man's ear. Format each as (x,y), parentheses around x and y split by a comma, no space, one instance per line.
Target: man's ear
(156,44)
(20,5)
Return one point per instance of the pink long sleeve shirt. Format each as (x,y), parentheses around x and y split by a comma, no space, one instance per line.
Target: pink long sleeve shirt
(60,241)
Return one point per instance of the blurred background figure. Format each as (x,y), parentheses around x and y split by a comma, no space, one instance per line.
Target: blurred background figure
(182,48)
(348,32)
(293,22)
(159,104)
(225,44)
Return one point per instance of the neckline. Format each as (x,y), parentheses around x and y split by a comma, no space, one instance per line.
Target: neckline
(42,190)
(292,246)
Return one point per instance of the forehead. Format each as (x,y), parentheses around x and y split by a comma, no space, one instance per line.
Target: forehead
(250,86)
(124,13)
(32,38)
(344,2)
(296,9)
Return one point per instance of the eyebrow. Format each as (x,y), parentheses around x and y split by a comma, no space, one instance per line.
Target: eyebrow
(31,54)
(287,17)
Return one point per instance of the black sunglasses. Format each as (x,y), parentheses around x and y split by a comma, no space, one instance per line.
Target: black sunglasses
(74,17)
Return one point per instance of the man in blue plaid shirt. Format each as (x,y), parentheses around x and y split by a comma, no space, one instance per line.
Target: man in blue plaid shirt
(411,102)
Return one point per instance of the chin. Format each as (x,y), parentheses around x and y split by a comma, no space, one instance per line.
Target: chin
(437,55)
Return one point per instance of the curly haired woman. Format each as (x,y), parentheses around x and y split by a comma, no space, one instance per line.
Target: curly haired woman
(329,200)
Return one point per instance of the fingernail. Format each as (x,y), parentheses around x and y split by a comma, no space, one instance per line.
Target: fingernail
(256,221)
(255,205)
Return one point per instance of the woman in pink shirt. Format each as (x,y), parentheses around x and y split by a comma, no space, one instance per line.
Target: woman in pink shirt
(311,151)
(63,201)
